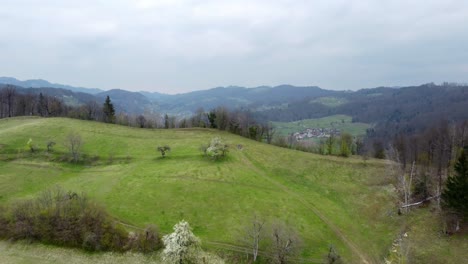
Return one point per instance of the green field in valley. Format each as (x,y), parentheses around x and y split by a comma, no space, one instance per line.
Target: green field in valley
(342,122)
(330,101)
(344,202)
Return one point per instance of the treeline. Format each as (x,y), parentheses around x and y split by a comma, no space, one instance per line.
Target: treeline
(17,102)
(13,103)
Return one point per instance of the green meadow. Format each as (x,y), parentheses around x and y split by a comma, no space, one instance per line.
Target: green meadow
(345,202)
(342,122)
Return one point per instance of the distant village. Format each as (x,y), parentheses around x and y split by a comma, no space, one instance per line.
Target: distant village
(316,133)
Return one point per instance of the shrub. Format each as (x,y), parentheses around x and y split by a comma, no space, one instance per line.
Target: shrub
(50,145)
(164,150)
(217,149)
(148,240)
(69,219)
(31,145)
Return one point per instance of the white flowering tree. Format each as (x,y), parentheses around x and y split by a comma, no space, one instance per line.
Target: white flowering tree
(181,246)
(217,149)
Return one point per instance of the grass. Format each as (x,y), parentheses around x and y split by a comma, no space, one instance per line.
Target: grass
(347,203)
(25,253)
(427,243)
(342,122)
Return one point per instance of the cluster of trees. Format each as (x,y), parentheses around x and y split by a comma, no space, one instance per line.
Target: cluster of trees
(13,103)
(424,165)
(73,143)
(265,244)
(276,243)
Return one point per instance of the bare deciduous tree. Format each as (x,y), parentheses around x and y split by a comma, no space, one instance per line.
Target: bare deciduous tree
(10,94)
(269,132)
(74,143)
(397,169)
(253,236)
(285,244)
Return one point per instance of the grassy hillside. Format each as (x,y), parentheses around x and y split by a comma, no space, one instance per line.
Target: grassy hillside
(328,200)
(342,122)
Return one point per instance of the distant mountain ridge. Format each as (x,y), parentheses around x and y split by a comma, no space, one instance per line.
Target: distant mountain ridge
(39,83)
(232,97)
(391,109)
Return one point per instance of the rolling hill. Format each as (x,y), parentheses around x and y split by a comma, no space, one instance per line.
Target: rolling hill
(327,200)
(347,203)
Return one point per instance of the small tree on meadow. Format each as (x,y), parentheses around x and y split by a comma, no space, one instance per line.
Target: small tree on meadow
(284,244)
(254,235)
(50,145)
(164,150)
(181,246)
(30,145)
(74,143)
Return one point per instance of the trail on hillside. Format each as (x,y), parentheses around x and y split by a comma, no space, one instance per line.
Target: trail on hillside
(309,205)
(19,126)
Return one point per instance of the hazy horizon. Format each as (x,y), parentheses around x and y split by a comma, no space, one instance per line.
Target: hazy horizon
(180,46)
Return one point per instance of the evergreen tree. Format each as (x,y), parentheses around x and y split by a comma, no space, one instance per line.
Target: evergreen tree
(212,118)
(455,194)
(346,142)
(166,121)
(109,111)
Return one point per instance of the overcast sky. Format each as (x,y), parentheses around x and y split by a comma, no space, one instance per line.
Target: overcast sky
(178,46)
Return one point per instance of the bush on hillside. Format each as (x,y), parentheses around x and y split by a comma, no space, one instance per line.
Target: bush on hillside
(164,149)
(216,150)
(67,219)
(147,240)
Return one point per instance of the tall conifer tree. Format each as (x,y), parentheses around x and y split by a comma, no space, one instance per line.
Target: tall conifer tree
(455,194)
(109,111)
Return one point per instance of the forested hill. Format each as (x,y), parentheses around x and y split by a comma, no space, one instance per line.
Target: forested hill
(390,110)
(39,83)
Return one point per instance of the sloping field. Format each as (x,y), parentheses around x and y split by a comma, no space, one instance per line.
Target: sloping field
(347,203)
